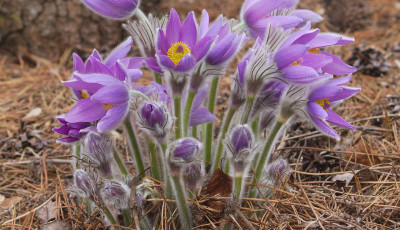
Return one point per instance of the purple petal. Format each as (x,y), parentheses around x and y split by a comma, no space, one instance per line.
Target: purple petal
(173,28)
(316,110)
(340,81)
(286,22)
(81,85)
(330,39)
(121,73)
(133,62)
(315,61)
(99,67)
(205,20)
(62,120)
(134,74)
(64,130)
(188,34)
(337,66)
(95,54)
(165,61)
(345,93)
(215,28)
(323,92)
(113,9)
(300,74)
(199,97)
(113,117)
(288,55)
(201,116)
(85,110)
(152,64)
(162,42)
(308,15)
(119,52)
(78,63)
(202,47)
(338,120)
(103,79)
(219,50)
(113,94)
(307,37)
(186,64)
(325,128)
(260,9)
(296,35)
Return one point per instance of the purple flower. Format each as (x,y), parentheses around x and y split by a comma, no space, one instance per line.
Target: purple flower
(194,175)
(241,138)
(323,98)
(155,119)
(115,9)
(154,90)
(258,14)
(241,148)
(83,183)
(269,96)
(98,149)
(276,168)
(71,130)
(178,46)
(116,194)
(200,115)
(184,150)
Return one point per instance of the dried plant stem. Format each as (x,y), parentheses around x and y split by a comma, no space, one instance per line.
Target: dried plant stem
(262,159)
(186,116)
(225,127)
(134,147)
(210,126)
(183,208)
(178,115)
(154,159)
(247,109)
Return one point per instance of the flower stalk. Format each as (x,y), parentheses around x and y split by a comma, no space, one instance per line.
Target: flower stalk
(134,147)
(210,126)
(189,102)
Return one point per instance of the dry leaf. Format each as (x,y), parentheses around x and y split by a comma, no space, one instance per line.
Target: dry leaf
(57,225)
(47,212)
(33,113)
(343,178)
(9,202)
(361,147)
(219,185)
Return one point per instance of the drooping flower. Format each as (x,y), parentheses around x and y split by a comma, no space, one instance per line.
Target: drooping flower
(115,9)
(258,14)
(179,48)
(71,130)
(322,98)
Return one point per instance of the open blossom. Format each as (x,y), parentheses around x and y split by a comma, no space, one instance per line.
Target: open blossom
(323,98)
(115,9)
(103,88)
(71,130)
(179,48)
(257,16)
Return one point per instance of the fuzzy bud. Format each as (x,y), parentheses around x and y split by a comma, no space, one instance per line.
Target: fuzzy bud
(193,174)
(240,146)
(278,168)
(241,138)
(155,119)
(83,183)
(116,194)
(98,148)
(182,152)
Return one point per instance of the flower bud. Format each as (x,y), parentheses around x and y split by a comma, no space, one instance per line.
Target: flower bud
(240,146)
(278,168)
(193,174)
(98,150)
(115,9)
(155,119)
(182,152)
(116,194)
(83,183)
(241,138)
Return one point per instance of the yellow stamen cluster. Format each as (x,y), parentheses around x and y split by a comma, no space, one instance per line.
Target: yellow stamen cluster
(177,51)
(295,63)
(322,102)
(314,51)
(85,95)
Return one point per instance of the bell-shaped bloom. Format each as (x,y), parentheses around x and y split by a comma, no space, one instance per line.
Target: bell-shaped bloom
(116,194)
(258,14)
(115,9)
(71,130)
(98,150)
(322,98)
(179,48)
(155,119)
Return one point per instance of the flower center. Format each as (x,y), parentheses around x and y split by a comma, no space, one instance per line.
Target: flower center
(314,51)
(296,62)
(177,51)
(324,102)
(85,95)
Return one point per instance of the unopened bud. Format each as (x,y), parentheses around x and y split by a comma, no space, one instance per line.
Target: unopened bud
(98,150)
(241,147)
(182,152)
(116,194)
(83,183)
(193,175)
(278,168)
(155,120)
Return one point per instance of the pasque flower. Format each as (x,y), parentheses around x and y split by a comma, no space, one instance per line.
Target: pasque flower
(71,130)
(240,147)
(179,48)
(115,9)
(98,149)
(155,119)
(257,16)
(322,98)
(200,115)
(182,152)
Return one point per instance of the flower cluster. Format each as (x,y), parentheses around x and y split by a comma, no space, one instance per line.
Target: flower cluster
(286,75)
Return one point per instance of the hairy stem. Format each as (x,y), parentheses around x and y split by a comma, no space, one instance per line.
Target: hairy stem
(186,116)
(181,200)
(247,109)
(178,115)
(210,126)
(155,163)
(134,147)
(119,162)
(127,217)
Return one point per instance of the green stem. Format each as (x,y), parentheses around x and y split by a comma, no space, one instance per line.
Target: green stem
(247,109)
(238,186)
(209,126)
(186,114)
(194,131)
(157,77)
(109,215)
(119,162)
(155,163)
(77,152)
(221,138)
(127,217)
(255,126)
(183,208)
(168,187)
(178,115)
(262,159)
(134,147)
